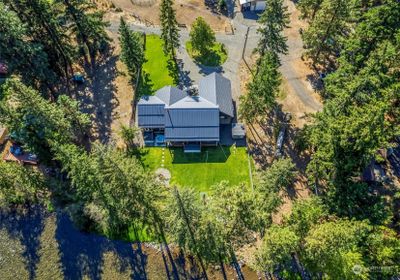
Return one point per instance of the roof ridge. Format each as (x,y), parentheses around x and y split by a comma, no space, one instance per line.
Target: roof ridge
(192,97)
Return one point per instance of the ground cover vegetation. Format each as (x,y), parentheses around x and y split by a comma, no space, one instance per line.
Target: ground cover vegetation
(345,231)
(159,69)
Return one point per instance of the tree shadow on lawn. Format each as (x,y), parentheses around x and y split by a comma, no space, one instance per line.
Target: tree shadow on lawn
(26,225)
(208,155)
(211,58)
(81,254)
(145,86)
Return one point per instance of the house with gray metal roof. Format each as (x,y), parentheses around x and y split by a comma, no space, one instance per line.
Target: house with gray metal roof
(177,118)
(217,89)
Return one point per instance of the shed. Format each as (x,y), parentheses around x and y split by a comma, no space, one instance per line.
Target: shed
(253,5)
(238,131)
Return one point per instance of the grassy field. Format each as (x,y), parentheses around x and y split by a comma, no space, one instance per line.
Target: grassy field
(158,70)
(202,170)
(216,55)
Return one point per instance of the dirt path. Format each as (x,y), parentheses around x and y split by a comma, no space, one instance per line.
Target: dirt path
(186,11)
(300,98)
(107,94)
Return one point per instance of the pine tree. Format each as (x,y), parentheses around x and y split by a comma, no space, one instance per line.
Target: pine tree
(363,90)
(42,21)
(273,21)
(132,52)
(324,35)
(20,185)
(112,189)
(169,27)
(37,122)
(89,25)
(308,8)
(265,84)
(26,57)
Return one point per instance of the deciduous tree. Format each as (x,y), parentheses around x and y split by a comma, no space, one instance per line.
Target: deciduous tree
(278,245)
(202,36)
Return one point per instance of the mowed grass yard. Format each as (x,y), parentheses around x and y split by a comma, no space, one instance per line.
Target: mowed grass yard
(159,70)
(201,170)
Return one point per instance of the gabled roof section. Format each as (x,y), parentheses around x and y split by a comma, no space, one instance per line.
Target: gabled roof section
(170,95)
(150,112)
(150,100)
(217,89)
(193,102)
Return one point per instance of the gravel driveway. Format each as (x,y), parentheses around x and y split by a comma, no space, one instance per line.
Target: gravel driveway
(191,72)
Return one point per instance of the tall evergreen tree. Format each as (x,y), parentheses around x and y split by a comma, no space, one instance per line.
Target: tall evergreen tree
(88,25)
(20,185)
(364,90)
(169,27)
(265,85)
(112,190)
(132,52)
(35,121)
(323,37)
(308,8)
(26,57)
(43,21)
(273,21)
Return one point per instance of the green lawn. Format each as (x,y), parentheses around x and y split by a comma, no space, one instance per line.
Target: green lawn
(216,55)
(158,70)
(202,170)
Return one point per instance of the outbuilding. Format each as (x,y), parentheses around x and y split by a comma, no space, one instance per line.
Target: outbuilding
(252,5)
